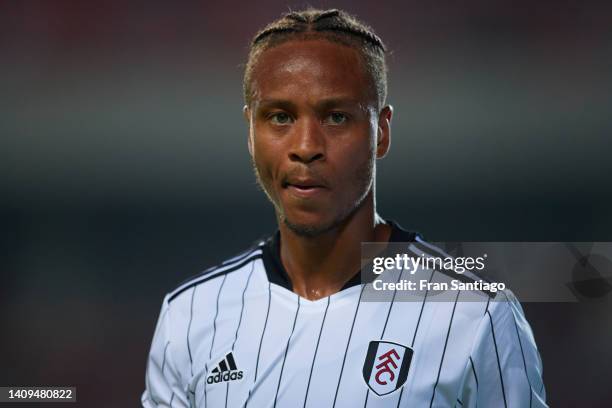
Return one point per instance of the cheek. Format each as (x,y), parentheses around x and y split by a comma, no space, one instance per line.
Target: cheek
(356,149)
(264,158)
(354,164)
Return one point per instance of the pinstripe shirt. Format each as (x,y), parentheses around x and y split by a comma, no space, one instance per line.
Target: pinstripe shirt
(236,335)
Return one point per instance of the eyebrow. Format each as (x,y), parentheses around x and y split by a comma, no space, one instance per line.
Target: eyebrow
(276,103)
(322,105)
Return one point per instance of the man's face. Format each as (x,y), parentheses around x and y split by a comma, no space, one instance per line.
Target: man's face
(315,132)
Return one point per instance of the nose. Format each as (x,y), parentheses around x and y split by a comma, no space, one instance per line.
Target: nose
(307,142)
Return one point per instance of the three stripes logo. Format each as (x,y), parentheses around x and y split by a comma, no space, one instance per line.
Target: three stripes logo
(225,370)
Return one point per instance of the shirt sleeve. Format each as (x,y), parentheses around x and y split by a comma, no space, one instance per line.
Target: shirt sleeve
(504,368)
(163,386)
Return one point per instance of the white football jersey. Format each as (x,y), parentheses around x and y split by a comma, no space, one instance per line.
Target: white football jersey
(236,335)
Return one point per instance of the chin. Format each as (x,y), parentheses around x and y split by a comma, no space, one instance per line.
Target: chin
(309,229)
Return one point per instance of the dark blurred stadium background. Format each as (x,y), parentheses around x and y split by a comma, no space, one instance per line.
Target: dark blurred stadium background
(124,167)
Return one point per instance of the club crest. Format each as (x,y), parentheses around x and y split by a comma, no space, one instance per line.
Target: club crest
(386,366)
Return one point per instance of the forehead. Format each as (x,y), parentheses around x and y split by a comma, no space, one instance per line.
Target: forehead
(311,69)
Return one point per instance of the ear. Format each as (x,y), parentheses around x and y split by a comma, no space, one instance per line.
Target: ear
(246,112)
(383,137)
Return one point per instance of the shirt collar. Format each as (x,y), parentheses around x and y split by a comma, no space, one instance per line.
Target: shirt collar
(278,275)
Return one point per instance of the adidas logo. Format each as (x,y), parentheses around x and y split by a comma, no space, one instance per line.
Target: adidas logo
(225,370)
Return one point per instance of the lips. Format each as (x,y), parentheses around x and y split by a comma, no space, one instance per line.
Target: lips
(304,186)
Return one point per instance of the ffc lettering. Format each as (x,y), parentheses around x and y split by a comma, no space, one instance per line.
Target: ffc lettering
(386,366)
(383,367)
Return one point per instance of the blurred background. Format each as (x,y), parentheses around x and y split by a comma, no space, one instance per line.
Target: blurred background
(124,167)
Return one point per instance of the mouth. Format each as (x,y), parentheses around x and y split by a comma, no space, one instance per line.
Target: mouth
(304,187)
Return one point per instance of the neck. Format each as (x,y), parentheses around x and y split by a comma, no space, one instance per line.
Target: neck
(320,266)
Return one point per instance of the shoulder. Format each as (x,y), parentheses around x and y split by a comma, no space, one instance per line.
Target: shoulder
(453,268)
(233,264)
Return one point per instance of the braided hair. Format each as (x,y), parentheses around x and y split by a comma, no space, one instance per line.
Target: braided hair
(333,25)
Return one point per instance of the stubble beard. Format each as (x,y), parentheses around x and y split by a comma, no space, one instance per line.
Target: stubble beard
(364,180)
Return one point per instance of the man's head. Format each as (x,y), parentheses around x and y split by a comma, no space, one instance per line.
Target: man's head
(315,87)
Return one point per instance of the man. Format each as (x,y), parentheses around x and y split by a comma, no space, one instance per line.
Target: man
(284,324)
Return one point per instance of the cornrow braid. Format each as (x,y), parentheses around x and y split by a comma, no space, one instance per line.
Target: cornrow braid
(296,16)
(333,25)
(328,13)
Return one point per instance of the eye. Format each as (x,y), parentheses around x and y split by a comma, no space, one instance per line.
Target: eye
(280,118)
(337,118)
